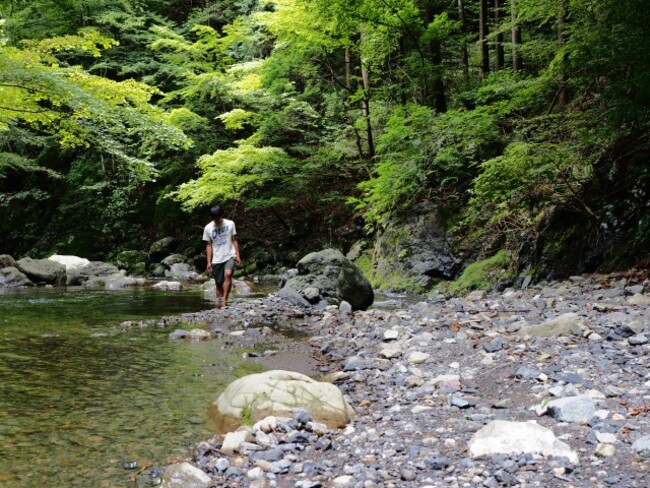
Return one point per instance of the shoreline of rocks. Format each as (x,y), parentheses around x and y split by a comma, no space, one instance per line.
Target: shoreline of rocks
(546,386)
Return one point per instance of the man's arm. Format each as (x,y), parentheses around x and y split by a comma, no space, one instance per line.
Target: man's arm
(236,245)
(208,254)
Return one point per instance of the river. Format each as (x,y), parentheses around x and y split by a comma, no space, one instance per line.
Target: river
(85,403)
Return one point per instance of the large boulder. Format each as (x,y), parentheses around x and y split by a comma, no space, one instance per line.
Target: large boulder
(162,248)
(335,278)
(94,269)
(70,262)
(279,393)
(42,271)
(414,252)
(7,261)
(134,262)
(12,278)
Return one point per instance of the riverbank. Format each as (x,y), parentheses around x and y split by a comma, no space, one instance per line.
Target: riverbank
(426,379)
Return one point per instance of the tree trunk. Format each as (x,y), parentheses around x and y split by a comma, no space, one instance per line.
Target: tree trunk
(483,33)
(435,58)
(348,89)
(464,29)
(517,61)
(498,44)
(365,103)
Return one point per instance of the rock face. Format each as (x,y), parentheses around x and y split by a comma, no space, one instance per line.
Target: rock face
(416,249)
(335,278)
(184,475)
(13,278)
(503,437)
(42,271)
(184,272)
(279,393)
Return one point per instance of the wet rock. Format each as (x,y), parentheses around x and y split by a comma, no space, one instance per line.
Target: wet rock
(42,271)
(13,278)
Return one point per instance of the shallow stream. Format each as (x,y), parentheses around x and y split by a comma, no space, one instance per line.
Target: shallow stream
(84,403)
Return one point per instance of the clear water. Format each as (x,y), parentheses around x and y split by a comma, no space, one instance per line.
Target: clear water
(81,400)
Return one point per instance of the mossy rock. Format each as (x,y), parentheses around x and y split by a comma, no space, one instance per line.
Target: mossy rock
(481,275)
(134,262)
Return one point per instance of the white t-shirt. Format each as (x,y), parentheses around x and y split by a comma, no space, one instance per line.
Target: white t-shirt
(221,238)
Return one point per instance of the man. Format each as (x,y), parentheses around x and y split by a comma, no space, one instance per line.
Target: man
(222,251)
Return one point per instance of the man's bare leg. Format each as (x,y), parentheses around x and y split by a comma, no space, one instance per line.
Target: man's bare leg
(220,293)
(227,285)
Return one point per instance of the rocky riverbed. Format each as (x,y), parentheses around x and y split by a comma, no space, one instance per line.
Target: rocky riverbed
(546,386)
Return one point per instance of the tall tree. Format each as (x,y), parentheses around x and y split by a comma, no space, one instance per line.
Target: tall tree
(483,37)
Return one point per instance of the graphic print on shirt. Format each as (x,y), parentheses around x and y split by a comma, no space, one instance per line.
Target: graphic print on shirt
(220,236)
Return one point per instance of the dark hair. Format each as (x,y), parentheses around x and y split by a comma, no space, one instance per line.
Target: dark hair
(216,211)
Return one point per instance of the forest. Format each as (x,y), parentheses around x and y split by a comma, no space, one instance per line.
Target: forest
(319,122)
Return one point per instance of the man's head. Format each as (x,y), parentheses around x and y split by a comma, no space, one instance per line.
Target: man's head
(216,213)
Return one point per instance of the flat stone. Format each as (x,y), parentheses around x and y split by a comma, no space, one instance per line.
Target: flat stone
(572,409)
(390,350)
(418,357)
(606,438)
(504,437)
(565,324)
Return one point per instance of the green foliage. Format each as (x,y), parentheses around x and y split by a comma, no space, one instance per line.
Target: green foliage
(235,173)
(420,151)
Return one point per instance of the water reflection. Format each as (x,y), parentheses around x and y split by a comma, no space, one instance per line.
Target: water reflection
(79,399)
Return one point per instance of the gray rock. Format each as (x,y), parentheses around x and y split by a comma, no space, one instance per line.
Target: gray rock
(13,278)
(572,409)
(311,294)
(185,475)
(336,278)
(565,324)
(42,271)
(642,446)
(78,276)
(173,259)
(345,307)
(163,247)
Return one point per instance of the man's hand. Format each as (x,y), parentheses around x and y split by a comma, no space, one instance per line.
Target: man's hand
(209,267)
(238,260)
